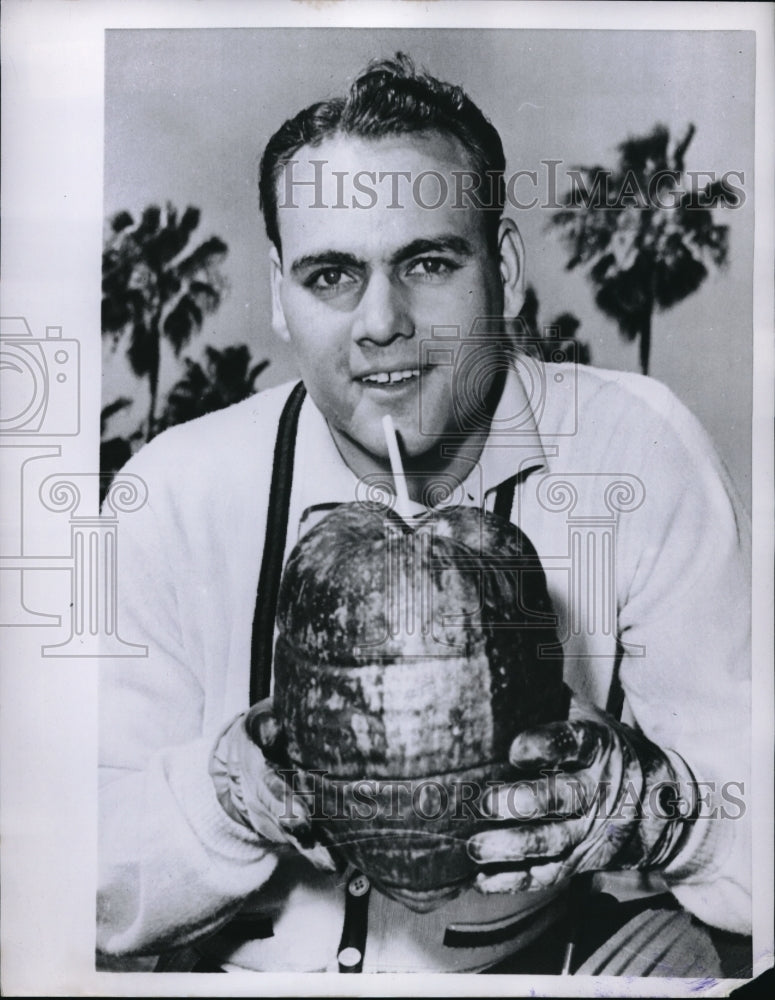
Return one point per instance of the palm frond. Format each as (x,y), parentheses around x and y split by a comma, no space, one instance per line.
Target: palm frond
(206,295)
(680,150)
(149,221)
(190,220)
(143,350)
(677,273)
(173,236)
(556,342)
(567,325)
(121,221)
(182,322)
(205,255)
(116,314)
(121,403)
(257,370)
(644,154)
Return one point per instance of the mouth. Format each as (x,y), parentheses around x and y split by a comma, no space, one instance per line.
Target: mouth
(396,377)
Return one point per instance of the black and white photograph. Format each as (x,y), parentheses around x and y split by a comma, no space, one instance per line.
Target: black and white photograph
(387,498)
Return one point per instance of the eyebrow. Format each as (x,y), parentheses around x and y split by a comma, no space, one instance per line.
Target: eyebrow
(451,243)
(330,258)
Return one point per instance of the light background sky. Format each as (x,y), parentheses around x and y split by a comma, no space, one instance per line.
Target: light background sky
(187,113)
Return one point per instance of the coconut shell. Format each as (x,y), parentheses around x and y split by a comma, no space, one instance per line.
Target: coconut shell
(411,653)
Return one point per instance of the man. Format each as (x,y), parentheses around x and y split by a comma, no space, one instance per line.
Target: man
(394,273)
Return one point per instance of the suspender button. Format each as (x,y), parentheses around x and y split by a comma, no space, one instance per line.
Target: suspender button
(359,885)
(349,957)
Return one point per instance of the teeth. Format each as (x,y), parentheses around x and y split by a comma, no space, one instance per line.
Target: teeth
(381,378)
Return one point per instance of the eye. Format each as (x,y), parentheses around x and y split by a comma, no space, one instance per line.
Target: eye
(329,279)
(432,267)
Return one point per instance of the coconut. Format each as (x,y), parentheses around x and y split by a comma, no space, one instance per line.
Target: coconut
(409,655)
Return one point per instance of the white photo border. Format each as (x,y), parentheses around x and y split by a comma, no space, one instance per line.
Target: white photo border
(53,127)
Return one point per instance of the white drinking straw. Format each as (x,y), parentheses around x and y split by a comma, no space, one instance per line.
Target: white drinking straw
(403,504)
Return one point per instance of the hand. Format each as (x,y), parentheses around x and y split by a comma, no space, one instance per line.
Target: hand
(597,795)
(244,768)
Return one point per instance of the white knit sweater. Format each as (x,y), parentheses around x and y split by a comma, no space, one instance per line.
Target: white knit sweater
(174,867)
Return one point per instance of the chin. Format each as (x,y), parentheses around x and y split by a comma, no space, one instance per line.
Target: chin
(421,436)
(416,446)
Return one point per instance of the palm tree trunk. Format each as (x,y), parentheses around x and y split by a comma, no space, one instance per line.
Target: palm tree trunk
(153,381)
(644,343)
(153,378)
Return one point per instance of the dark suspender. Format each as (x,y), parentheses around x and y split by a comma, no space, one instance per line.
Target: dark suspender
(274,547)
(504,498)
(615,703)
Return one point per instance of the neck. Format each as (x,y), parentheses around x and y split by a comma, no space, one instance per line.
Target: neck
(428,473)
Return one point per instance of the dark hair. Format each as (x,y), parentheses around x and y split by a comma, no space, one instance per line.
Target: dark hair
(390,98)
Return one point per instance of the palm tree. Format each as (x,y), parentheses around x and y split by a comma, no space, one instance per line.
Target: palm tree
(648,239)
(228,377)
(154,290)
(556,341)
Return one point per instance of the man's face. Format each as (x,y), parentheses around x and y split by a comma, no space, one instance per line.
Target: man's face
(360,289)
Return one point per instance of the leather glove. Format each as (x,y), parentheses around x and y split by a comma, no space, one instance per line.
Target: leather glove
(245,767)
(597,795)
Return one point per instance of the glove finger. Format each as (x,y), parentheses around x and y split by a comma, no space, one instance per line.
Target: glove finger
(262,726)
(531,840)
(268,794)
(557,794)
(283,800)
(511,882)
(532,880)
(548,874)
(572,744)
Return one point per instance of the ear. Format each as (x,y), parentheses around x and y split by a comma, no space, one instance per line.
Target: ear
(279,325)
(511,251)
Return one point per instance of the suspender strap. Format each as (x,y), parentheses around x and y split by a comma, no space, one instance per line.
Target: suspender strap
(615,704)
(504,498)
(352,945)
(274,547)
(504,501)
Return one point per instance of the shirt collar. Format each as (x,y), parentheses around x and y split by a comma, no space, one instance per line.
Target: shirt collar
(513,450)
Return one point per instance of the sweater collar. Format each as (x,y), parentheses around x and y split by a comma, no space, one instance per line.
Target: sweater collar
(513,450)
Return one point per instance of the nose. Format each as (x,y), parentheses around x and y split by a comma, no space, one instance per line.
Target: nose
(383,314)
